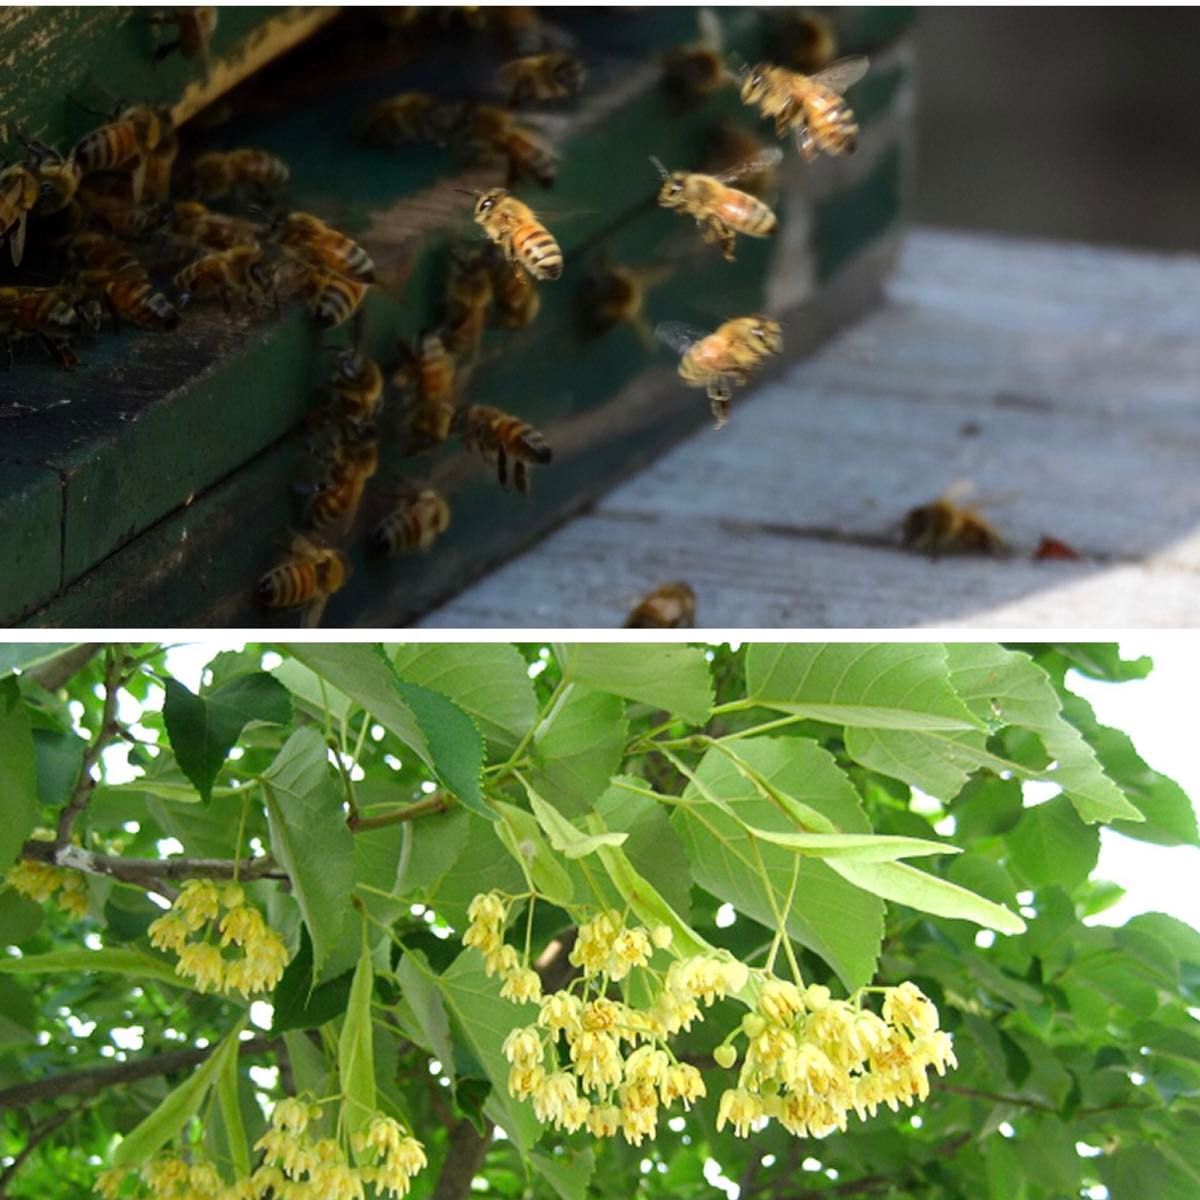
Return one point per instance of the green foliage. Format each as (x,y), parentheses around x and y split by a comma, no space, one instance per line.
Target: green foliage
(368,793)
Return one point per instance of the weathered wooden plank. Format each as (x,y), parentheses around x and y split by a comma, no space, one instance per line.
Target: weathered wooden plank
(1078,413)
(31,516)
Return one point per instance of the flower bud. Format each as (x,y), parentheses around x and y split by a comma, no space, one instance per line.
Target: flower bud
(725,1055)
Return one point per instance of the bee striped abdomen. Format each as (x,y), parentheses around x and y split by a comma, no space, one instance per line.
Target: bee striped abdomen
(334,299)
(108,147)
(536,248)
(288,585)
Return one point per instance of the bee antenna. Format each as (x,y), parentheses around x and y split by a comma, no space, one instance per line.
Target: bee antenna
(467,191)
(661,169)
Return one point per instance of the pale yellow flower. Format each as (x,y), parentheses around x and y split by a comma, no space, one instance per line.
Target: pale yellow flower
(630,948)
(556,1092)
(739,1108)
(203,964)
(504,960)
(169,932)
(199,901)
(409,1156)
(74,895)
(684,1083)
(647,1065)
(108,1183)
(594,943)
(780,1001)
(601,1014)
(488,908)
(660,935)
(597,1059)
(604,1120)
(574,1114)
(39,881)
(638,1123)
(521,986)
(560,1010)
(525,1081)
(522,1047)
(907,1005)
(241,925)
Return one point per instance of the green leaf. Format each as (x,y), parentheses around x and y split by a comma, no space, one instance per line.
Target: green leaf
(1007,689)
(23,655)
(901,686)
(487,680)
(578,747)
(522,837)
(479,866)
(1052,845)
(229,1099)
(859,847)
(564,837)
(906,885)
(59,761)
(299,1005)
(356,1055)
(20,917)
(568,1173)
(18,774)
(483,1021)
(839,922)
(179,1106)
(425,1002)
(672,677)
(431,846)
(1162,1171)
(110,960)
(1047,1153)
(203,729)
(442,735)
(309,837)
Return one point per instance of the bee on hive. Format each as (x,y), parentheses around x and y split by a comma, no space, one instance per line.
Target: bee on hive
(353,461)
(417,521)
(57,175)
(357,387)
(717,361)
(410,118)
(310,238)
(721,212)
(240,271)
(197,228)
(429,375)
(470,291)
(194,30)
(515,228)
(18,195)
(312,572)
(109,272)
(218,174)
(540,77)
(53,315)
(332,299)
(671,606)
(948,526)
(500,438)
(811,107)
(126,141)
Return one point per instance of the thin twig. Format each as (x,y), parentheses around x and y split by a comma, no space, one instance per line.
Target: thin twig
(439,802)
(54,672)
(150,871)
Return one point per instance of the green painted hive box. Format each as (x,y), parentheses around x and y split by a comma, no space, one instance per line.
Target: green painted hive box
(157,482)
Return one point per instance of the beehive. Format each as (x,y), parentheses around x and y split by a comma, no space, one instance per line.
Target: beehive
(155,484)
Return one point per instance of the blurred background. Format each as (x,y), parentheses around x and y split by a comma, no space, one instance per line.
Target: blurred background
(1075,123)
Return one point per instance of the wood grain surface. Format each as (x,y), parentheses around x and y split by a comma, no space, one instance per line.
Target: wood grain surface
(1062,380)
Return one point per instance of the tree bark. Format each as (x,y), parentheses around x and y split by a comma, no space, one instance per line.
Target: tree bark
(464,1156)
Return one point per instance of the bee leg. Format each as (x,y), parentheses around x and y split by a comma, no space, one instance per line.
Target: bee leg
(521,477)
(719,395)
(805,143)
(502,467)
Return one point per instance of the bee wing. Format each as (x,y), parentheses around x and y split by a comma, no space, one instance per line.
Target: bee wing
(842,74)
(16,242)
(680,337)
(769,156)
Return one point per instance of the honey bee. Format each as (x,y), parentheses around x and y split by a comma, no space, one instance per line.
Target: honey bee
(718,360)
(492,132)
(53,315)
(240,271)
(517,300)
(524,240)
(106,202)
(195,28)
(501,438)
(335,504)
(539,77)
(947,526)
(806,40)
(130,296)
(196,226)
(160,162)
(410,117)
(357,386)
(414,524)
(126,141)
(694,72)
(671,606)
(322,245)
(57,176)
(333,299)
(217,174)
(470,291)
(721,212)
(614,294)
(429,374)
(314,572)
(18,194)
(728,144)
(811,106)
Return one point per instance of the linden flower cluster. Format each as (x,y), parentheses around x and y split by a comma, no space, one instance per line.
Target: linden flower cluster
(39,881)
(618,1069)
(809,1058)
(295,1165)
(204,925)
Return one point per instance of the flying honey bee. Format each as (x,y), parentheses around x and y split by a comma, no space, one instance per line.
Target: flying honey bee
(408,118)
(217,174)
(322,245)
(414,524)
(357,386)
(719,360)
(947,526)
(721,212)
(539,77)
(332,299)
(240,271)
(524,240)
(430,376)
(805,39)
(335,505)
(694,72)
(18,195)
(469,294)
(313,572)
(501,438)
(492,132)
(53,315)
(614,294)
(671,606)
(57,176)
(727,145)
(810,106)
(195,28)
(126,141)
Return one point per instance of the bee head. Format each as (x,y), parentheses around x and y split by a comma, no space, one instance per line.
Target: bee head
(754,83)
(487,201)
